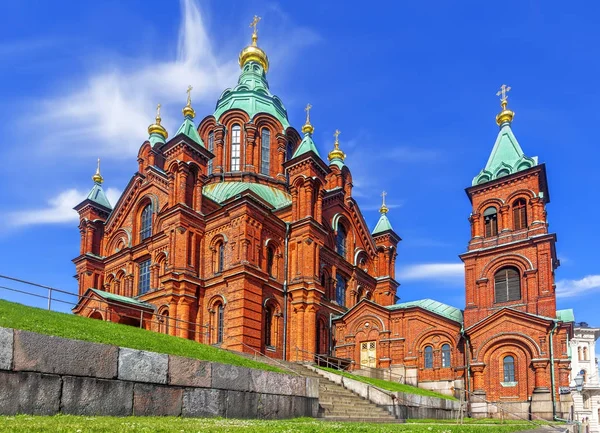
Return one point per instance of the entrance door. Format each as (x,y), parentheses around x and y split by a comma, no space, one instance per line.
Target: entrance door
(368,357)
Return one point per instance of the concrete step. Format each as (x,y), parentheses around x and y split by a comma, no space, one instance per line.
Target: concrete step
(361,419)
(356,413)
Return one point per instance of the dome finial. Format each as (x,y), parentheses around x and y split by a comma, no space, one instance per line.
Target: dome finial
(97,177)
(188,111)
(336,153)
(383,209)
(506,115)
(252,52)
(157,128)
(308,128)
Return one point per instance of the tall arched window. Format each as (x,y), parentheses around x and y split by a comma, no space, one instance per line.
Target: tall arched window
(220,323)
(146,223)
(429,357)
(340,240)
(265,151)
(446,355)
(144,277)
(490,218)
(270,260)
(507,285)
(289,150)
(509,369)
(520,214)
(585,354)
(235,147)
(220,256)
(268,326)
(340,290)
(211,148)
(579,357)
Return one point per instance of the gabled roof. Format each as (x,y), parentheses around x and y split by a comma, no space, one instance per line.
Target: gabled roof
(382,225)
(435,307)
(188,129)
(123,299)
(223,191)
(98,197)
(306,145)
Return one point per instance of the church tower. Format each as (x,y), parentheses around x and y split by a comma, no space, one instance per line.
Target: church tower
(511,257)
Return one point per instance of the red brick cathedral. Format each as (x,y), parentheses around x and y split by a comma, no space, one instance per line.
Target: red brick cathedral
(235,232)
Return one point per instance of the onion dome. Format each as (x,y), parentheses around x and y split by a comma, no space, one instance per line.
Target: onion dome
(506,115)
(97,177)
(336,156)
(156,130)
(252,52)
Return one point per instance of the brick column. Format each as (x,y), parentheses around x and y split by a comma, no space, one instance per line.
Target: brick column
(251,163)
(477,370)
(183,313)
(503,224)
(182,176)
(219,149)
(173,324)
(541,379)
(281,145)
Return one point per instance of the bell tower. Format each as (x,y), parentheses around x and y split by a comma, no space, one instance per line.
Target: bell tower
(511,256)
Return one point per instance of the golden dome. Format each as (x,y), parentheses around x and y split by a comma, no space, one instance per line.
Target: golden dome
(157,128)
(252,52)
(383,209)
(97,177)
(505,115)
(336,153)
(188,111)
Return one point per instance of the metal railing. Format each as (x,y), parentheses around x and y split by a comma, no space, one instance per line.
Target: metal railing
(264,358)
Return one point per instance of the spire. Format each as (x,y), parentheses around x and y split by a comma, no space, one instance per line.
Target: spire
(97,177)
(307,143)
(507,156)
(188,111)
(384,223)
(188,128)
(336,156)
(252,52)
(157,132)
(97,194)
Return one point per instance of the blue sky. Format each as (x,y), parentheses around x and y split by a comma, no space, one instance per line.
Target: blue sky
(411,85)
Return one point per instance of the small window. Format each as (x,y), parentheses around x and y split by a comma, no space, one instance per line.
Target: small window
(585,354)
(446,355)
(507,285)
(146,223)
(220,323)
(235,147)
(144,277)
(520,214)
(340,240)
(490,218)
(211,148)
(429,357)
(509,369)
(340,290)
(265,152)
(289,150)
(268,326)
(270,260)
(220,257)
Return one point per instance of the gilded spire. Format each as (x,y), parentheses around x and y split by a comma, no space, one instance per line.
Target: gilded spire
(308,128)
(188,111)
(336,153)
(97,177)
(383,209)
(506,115)
(157,128)
(252,52)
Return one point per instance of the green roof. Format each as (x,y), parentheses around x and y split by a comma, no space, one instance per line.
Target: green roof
(565,315)
(306,146)
(252,96)
(124,299)
(382,225)
(436,307)
(506,158)
(188,129)
(223,191)
(97,196)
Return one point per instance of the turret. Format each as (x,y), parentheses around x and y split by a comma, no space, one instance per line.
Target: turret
(386,241)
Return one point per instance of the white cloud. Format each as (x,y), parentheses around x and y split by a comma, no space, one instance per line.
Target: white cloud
(449,272)
(109,112)
(59,209)
(583,286)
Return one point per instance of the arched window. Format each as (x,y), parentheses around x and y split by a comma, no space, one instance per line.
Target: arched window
(340,240)
(289,150)
(269,327)
(490,218)
(584,374)
(585,354)
(265,151)
(429,357)
(235,147)
(579,357)
(340,290)
(220,322)
(509,369)
(211,148)
(220,257)
(270,260)
(520,214)
(163,320)
(507,285)
(446,355)
(146,223)
(144,277)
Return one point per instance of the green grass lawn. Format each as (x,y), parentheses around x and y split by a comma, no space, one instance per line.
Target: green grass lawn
(388,385)
(18,316)
(86,424)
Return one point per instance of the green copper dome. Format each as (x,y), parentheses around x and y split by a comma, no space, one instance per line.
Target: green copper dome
(252,95)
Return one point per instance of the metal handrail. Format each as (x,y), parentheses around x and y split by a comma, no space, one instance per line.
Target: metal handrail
(257,352)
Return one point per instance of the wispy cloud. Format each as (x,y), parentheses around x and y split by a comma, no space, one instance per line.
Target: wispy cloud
(573,288)
(58,210)
(446,272)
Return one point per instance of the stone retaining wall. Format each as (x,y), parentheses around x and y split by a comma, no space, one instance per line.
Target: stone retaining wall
(46,375)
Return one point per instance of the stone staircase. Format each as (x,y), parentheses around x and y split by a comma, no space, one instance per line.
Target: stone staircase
(336,403)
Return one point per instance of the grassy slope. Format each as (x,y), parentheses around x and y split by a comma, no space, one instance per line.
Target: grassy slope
(13,315)
(66,423)
(390,386)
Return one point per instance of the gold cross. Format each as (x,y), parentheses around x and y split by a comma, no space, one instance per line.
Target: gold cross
(307,109)
(255,22)
(504,89)
(157,111)
(383,194)
(189,98)
(336,134)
